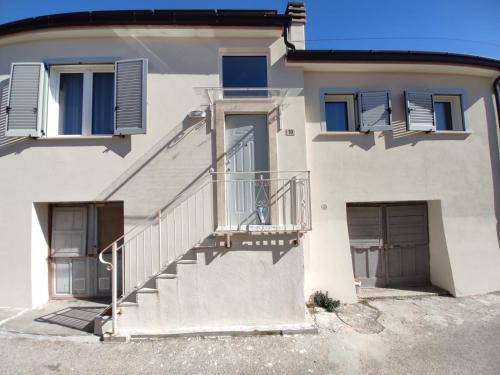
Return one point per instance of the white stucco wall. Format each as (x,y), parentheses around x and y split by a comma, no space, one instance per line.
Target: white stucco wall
(256,283)
(458,172)
(123,169)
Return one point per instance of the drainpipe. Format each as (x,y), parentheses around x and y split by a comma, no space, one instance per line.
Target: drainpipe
(289,45)
(496,89)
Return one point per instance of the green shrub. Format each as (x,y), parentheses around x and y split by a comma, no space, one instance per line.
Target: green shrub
(321,299)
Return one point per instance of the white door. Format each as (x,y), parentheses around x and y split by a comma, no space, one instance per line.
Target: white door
(246,148)
(69,240)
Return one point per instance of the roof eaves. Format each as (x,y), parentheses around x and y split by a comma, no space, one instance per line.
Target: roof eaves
(223,17)
(391,57)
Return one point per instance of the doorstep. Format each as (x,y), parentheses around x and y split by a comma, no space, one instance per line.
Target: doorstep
(402,292)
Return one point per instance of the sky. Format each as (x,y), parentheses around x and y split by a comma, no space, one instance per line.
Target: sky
(460,26)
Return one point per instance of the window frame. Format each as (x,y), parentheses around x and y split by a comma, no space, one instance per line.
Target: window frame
(243,53)
(352,115)
(457,111)
(350,101)
(52,128)
(447,92)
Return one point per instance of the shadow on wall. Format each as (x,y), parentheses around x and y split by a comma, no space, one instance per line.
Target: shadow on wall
(16,145)
(361,140)
(493,123)
(214,249)
(440,262)
(400,136)
(167,143)
(168,170)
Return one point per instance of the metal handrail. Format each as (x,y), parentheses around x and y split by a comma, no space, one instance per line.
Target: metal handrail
(145,221)
(184,202)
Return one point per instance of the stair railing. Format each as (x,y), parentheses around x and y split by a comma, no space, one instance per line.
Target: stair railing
(148,248)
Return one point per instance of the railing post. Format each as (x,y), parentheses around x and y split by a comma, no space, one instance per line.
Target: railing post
(114,285)
(159,239)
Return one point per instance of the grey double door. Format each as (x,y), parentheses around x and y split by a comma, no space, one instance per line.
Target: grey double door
(389,244)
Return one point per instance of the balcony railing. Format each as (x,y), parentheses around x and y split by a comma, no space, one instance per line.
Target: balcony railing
(263,201)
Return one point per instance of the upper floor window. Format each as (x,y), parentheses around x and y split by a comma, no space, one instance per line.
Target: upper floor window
(351,110)
(77,100)
(448,112)
(244,72)
(84,100)
(339,113)
(428,111)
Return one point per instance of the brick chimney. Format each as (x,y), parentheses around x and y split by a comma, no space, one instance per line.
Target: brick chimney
(296,31)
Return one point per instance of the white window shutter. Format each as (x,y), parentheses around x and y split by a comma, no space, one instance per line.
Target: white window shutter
(374,111)
(419,111)
(130,96)
(25,104)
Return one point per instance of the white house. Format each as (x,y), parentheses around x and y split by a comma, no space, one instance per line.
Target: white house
(224,173)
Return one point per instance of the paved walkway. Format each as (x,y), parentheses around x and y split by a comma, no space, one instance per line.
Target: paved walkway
(430,335)
(56,318)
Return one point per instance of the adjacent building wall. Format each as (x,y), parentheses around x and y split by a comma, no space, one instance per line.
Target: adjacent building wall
(461,171)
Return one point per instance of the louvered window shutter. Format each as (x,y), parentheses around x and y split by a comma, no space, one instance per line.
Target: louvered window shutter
(130,96)
(419,111)
(375,111)
(25,103)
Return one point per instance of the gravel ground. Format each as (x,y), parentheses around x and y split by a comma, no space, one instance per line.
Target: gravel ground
(431,335)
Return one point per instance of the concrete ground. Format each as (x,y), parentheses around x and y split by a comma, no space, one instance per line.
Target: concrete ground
(56,318)
(429,335)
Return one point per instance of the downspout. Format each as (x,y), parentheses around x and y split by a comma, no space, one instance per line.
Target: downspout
(289,44)
(496,86)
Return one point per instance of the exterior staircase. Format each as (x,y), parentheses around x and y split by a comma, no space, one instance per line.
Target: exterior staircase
(150,253)
(158,283)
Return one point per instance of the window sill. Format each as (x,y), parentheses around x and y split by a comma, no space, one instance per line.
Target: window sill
(340,133)
(70,137)
(450,132)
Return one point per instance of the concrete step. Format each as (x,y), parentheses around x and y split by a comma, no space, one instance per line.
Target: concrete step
(128,304)
(166,276)
(186,261)
(147,290)
(189,258)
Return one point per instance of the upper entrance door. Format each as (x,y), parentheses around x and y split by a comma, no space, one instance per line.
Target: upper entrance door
(246,148)
(389,244)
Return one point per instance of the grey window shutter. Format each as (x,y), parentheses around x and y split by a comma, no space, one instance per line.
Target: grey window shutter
(130,96)
(25,104)
(375,110)
(419,111)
